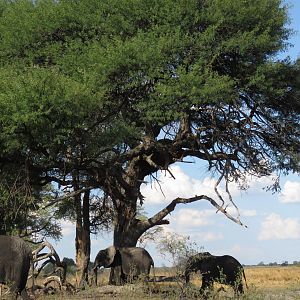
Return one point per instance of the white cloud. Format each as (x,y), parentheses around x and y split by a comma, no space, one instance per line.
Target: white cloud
(242,252)
(186,186)
(290,192)
(182,186)
(276,228)
(254,184)
(189,222)
(207,236)
(259,183)
(189,218)
(194,236)
(67,227)
(243,212)
(248,212)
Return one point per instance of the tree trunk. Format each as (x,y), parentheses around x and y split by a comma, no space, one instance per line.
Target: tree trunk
(82,239)
(125,233)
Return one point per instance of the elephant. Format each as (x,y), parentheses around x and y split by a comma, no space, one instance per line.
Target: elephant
(223,269)
(15,261)
(127,262)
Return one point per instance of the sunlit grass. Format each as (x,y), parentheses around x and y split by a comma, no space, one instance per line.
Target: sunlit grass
(273,277)
(263,282)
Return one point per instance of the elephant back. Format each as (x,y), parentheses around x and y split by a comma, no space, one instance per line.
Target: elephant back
(12,249)
(136,261)
(229,262)
(15,257)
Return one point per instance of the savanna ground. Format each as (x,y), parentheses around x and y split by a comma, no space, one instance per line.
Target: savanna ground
(263,283)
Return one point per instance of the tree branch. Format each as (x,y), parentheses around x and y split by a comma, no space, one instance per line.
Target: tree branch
(69,195)
(158,218)
(52,257)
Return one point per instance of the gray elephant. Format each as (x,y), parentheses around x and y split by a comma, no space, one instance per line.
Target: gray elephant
(223,269)
(15,260)
(127,262)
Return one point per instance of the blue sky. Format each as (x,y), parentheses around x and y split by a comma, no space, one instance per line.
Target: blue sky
(273,220)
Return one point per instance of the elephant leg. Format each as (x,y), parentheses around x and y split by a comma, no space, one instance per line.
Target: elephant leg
(237,283)
(238,288)
(112,277)
(124,278)
(116,275)
(24,295)
(206,287)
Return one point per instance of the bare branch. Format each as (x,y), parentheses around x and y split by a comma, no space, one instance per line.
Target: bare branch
(52,257)
(55,279)
(151,162)
(216,187)
(37,250)
(156,180)
(157,218)
(169,171)
(69,195)
(231,200)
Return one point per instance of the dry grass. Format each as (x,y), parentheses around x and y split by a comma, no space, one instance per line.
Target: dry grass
(273,277)
(264,283)
(269,277)
(280,283)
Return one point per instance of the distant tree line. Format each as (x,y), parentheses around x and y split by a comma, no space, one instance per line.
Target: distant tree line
(284,263)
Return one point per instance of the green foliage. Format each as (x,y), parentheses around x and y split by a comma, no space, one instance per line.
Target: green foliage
(100,49)
(87,86)
(69,65)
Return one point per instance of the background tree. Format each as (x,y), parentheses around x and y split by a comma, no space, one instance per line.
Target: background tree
(21,207)
(177,248)
(91,214)
(110,92)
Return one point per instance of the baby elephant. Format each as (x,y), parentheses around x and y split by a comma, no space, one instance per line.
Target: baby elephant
(223,269)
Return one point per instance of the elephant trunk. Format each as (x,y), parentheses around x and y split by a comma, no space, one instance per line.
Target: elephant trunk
(187,276)
(152,264)
(95,269)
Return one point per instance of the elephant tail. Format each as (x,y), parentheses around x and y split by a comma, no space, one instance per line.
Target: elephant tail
(245,279)
(152,264)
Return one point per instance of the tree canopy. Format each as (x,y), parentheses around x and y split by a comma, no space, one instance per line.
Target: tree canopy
(114,91)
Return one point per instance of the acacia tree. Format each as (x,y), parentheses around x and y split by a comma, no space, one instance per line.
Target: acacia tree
(198,80)
(114,91)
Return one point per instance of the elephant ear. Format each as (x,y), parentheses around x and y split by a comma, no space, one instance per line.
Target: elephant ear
(129,257)
(108,260)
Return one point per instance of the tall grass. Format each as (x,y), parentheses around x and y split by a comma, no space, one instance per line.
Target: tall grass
(273,277)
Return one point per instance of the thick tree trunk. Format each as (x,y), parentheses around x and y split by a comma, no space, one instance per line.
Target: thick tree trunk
(82,239)
(126,230)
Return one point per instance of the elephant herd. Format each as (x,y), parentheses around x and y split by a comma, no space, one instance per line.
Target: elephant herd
(134,261)
(127,262)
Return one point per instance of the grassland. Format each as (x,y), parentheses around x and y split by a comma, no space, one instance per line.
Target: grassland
(282,283)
